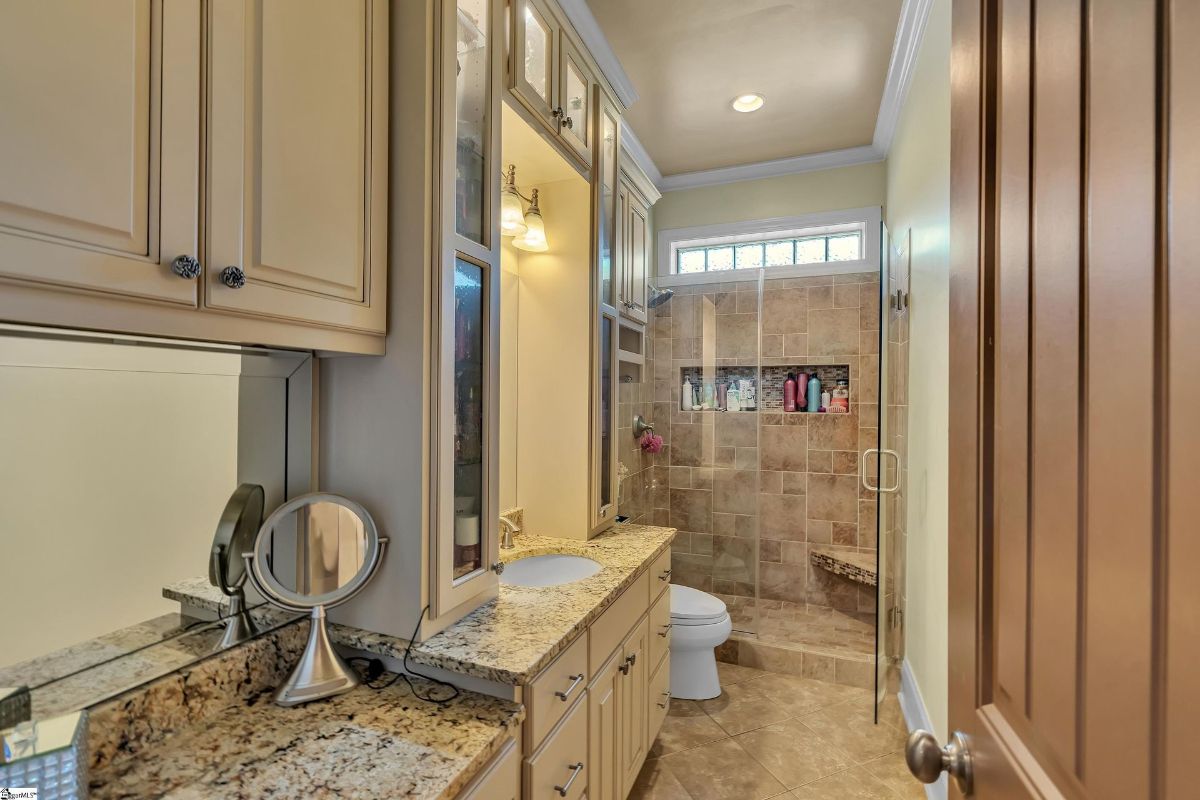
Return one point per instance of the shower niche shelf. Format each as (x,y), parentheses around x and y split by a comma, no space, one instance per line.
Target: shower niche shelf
(849,564)
(769,390)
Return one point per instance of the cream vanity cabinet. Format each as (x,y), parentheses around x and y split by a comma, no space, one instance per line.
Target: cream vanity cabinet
(116,213)
(550,77)
(635,195)
(594,712)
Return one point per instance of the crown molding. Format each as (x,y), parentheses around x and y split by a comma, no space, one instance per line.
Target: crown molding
(914,14)
(831,159)
(633,146)
(585,24)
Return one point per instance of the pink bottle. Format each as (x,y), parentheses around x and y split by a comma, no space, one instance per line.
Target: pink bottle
(789,393)
(801,383)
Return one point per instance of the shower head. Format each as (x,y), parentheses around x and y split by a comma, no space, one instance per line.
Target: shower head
(659,296)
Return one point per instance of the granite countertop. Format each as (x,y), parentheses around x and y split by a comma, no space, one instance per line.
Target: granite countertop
(510,639)
(213,731)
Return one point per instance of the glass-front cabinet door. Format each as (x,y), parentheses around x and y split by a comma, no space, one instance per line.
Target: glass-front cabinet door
(535,69)
(464,450)
(604,423)
(604,346)
(605,188)
(576,101)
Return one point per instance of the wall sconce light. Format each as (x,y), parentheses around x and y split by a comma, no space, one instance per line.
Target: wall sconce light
(526,226)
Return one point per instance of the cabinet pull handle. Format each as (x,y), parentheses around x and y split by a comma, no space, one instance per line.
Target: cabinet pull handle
(233,277)
(575,679)
(187,267)
(665,630)
(663,704)
(665,575)
(575,768)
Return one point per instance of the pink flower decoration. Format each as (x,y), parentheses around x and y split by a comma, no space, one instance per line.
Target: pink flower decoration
(651,442)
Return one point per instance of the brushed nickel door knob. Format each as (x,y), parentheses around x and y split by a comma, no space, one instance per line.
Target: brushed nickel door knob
(927,760)
(233,277)
(187,267)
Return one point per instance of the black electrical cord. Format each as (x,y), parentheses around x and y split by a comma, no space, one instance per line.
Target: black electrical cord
(374,670)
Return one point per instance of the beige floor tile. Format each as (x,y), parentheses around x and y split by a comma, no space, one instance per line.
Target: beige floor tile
(722,771)
(799,696)
(892,771)
(853,784)
(657,782)
(850,726)
(686,726)
(741,708)
(733,673)
(793,753)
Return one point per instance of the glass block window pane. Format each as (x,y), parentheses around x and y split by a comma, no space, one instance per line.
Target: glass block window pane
(749,256)
(810,251)
(781,254)
(720,258)
(691,260)
(845,248)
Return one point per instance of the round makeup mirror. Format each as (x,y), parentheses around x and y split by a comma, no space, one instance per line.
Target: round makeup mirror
(314,552)
(235,534)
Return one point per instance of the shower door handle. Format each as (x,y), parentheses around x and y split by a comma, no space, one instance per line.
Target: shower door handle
(862,469)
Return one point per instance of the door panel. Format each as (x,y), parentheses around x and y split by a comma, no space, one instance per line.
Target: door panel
(297,158)
(534,69)
(100,190)
(633,720)
(1074,168)
(576,101)
(636,251)
(604,781)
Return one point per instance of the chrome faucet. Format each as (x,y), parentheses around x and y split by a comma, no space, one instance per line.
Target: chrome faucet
(508,529)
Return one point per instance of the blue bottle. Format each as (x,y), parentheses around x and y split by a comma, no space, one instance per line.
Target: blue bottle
(814,394)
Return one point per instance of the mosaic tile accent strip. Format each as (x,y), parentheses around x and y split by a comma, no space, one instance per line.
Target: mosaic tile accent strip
(770,395)
(858,567)
(59,774)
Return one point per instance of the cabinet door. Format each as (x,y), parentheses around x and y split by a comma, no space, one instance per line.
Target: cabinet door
(100,145)
(605,188)
(638,230)
(604,423)
(535,66)
(575,100)
(297,160)
(467,297)
(633,686)
(622,262)
(605,780)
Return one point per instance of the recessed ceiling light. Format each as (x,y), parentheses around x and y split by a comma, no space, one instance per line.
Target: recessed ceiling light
(748,102)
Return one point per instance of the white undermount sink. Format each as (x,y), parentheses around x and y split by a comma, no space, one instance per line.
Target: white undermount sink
(552,569)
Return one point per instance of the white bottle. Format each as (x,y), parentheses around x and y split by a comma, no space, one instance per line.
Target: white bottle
(686,397)
(733,398)
(825,398)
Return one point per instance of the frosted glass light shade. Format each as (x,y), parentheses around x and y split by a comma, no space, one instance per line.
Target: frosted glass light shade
(534,238)
(512,213)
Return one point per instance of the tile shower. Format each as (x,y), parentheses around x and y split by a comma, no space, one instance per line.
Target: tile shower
(756,495)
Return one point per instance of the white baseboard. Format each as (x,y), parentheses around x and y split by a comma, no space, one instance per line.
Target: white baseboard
(912,706)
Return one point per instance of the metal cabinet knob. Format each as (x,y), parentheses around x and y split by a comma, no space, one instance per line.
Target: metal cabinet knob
(233,277)
(557,113)
(568,123)
(187,267)
(927,760)
(575,768)
(630,660)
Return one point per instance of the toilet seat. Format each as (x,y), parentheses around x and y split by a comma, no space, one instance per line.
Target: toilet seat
(693,607)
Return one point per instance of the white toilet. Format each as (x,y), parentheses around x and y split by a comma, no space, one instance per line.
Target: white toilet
(699,624)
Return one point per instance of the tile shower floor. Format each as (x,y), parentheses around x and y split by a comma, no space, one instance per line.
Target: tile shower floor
(778,736)
(812,628)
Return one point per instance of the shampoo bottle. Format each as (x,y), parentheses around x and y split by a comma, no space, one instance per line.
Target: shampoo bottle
(685,396)
(789,393)
(733,398)
(814,394)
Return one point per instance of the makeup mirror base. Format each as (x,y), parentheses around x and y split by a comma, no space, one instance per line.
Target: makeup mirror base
(321,672)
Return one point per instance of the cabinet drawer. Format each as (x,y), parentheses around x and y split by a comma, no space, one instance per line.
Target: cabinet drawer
(660,629)
(554,690)
(562,762)
(658,698)
(613,626)
(500,779)
(660,574)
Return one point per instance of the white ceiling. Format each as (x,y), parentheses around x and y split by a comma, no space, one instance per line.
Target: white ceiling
(821,64)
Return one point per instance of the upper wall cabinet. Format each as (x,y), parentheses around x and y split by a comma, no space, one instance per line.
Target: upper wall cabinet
(297,164)
(100,145)
(635,195)
(101,222)
(550,77)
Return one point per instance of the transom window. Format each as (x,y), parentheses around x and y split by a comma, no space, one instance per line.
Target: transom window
(769,250)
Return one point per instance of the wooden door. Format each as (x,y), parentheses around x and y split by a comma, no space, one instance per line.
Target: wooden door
(604,777)
(622,245)
(534,71)
(636,251)
(99,145)
(297,160)
(575,89)
(1074,610)
(633,687)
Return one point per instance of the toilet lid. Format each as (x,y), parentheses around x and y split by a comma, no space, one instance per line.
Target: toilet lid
(693,604)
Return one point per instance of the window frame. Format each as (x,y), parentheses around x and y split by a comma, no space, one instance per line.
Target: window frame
(825,223)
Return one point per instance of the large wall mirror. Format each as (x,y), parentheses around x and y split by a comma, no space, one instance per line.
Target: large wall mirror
(118,457)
